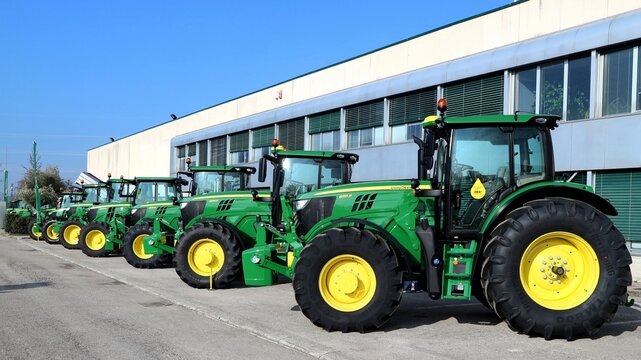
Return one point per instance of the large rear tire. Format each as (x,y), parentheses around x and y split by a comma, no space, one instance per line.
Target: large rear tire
(48,233)
(70,234)
(208,250)
(134,252)
(348,280)
(556,268)
(93,239)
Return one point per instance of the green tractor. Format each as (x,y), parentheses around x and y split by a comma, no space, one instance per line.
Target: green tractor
(110,222)
(490,222)
(150,242)
(19,208)
(219,226)
(71,222)
(51,227)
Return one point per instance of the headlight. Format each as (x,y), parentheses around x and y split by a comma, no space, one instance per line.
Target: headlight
(133,211)
(183,205)
(300,204)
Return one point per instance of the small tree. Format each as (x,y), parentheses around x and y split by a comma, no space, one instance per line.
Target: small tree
(49,181)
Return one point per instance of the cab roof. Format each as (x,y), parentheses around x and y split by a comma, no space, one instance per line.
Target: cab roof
(154,179)
(549,121)
(350,157)
(243,169)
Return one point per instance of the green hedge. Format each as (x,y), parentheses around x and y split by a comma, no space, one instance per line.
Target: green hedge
(16,224)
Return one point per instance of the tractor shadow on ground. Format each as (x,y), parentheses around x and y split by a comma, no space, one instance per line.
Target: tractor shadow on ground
(417,309)
(14,287)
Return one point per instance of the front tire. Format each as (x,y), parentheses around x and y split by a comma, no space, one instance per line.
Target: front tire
(205,251)
(48,233)
(70,234)
(134,252)
(93,239)
(348,280)
(557,268)
(35,235)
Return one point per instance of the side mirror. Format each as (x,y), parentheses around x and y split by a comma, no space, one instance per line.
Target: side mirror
(254,194)
(262,169)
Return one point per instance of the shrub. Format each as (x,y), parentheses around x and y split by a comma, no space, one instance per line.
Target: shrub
(16,224)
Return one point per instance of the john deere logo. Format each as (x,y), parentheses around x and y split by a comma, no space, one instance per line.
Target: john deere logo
(478,190)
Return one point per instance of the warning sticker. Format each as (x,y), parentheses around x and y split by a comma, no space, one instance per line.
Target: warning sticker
(478,190)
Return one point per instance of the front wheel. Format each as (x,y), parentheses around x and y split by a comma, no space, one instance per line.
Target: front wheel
(70,234)
(35,235)
(348,280)
(93,239)
(49,234)
(557,268)
(208,255)
(134,250)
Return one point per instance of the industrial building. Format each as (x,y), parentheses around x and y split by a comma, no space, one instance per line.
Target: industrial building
(576,58)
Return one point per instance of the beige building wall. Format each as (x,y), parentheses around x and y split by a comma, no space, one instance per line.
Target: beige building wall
(148,153)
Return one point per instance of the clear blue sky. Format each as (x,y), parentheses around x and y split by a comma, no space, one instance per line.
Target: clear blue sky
(74,73)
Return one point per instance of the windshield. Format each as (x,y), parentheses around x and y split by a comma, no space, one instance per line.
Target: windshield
(120,191)
(66,201)
(208,182)
(94,194)
(304,175)
(155,191)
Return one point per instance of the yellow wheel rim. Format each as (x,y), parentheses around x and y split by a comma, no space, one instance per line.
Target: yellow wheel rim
(559,270)
(37,234)
(71,234)
(95,240)
(206,257)
(51,233)
(139,247)
(347,283)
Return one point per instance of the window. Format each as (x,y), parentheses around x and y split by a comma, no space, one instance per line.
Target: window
(181,151)
(529,165)
(618,187)
(239,147)
(191,152)
(325,131)
(617,82)
(210,182)
(552,89)
(639,79)
(262,141)
(202,153)
(579,88)
(364,125)
(147,192)
(304,175)
(481,96)
(550,96)
(408,111)
(218,151)
(526,91)
(291,134)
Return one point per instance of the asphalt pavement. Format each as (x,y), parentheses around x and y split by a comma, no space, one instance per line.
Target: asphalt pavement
(59,303)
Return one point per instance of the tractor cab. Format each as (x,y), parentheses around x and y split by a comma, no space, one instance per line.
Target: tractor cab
(299,172)
(202,180)
(481,160)
(68,198)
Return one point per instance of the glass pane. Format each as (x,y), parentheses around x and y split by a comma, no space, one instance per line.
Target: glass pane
(259,152)
(337,140)
(617,82)
(208,182)
(399,134)
(529,158)
(352,139)
(579,88)
(414,130)
(191,149)
(366,137)
(552,89)
(327,139)
(479,172)
(378,136)
(639,80)
(316,141)
(526,91)
(239,157)
(202,153)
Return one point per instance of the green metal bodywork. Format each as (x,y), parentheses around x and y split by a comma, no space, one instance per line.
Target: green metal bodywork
(235,209)
(92,195)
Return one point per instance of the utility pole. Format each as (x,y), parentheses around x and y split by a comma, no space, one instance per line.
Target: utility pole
(6,186)
(36,188)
